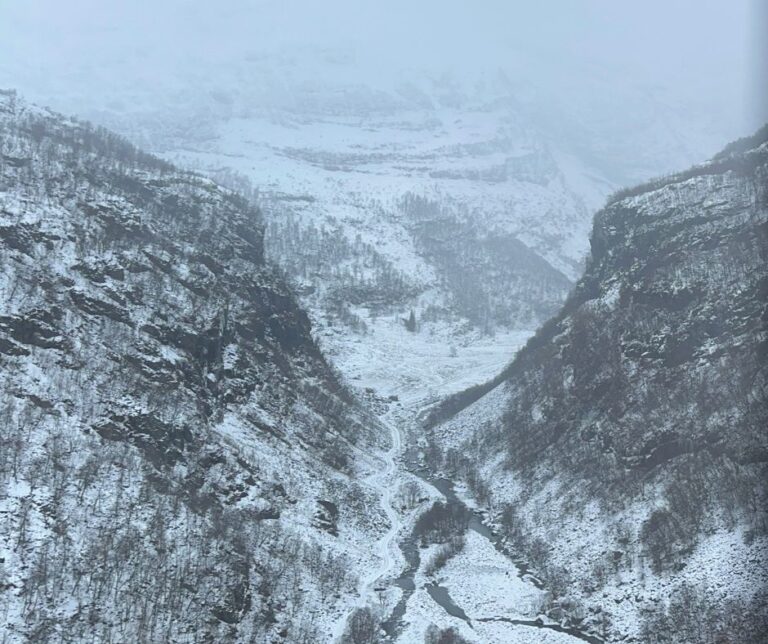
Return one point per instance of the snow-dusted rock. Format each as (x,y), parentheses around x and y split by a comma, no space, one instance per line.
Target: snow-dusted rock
(624,449)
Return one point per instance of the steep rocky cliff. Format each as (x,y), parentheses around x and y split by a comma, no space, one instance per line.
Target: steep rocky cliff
(176,453)
(624,450)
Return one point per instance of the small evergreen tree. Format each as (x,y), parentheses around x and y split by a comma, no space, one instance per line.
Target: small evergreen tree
(410,323)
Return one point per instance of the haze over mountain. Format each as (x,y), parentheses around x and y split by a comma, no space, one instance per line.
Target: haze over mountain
(511,123)
(659,45)
(502,126)
(263,361)
(86,56)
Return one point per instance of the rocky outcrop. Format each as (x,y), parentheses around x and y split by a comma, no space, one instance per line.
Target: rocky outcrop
(168,421)
(624,449)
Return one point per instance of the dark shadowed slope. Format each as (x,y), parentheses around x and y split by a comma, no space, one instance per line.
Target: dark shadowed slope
(171,435)
(625,448)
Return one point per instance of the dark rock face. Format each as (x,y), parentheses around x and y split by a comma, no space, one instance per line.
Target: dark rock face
(161,398)
(37,327)
(645,400)
(494,278)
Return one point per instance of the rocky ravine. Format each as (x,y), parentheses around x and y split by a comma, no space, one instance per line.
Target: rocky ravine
(624,449)
(180,463)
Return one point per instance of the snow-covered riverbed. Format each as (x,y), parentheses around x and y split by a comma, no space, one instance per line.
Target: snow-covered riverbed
(481,586)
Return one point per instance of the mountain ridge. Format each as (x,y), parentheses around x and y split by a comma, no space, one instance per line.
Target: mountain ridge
(638,411)
(179,460)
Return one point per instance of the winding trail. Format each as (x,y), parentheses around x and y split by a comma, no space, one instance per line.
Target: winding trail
(396,555)
(386,483)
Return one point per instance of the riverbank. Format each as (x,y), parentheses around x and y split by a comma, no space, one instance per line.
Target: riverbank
(481,592)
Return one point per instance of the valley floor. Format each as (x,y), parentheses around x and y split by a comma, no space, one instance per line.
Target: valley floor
(422,367)
(481,592)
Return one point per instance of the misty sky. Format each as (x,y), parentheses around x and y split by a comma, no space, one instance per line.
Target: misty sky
(699,51)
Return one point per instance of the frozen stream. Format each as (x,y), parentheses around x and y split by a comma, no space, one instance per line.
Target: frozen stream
(504,608)
(482,592)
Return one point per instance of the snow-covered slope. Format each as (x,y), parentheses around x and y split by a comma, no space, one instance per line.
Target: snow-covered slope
(624,449)
(457,213)
(467,201)
(460,192)
(457,210)
(178,461)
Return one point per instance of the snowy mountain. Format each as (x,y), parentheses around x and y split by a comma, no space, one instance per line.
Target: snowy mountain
(182,463)
(444,159)
(623,451)
(458,213)
(468,205)
(179,461)
(463,195)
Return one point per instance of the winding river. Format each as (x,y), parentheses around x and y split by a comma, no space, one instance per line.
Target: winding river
(440,594)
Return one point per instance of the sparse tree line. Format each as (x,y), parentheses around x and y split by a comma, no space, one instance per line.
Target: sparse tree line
(321,260)
(660,546)
(101,551)
(494,280)
(731,158)
(127,516)
(444,554)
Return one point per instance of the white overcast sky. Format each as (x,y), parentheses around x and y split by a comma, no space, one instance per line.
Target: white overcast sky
(702,50)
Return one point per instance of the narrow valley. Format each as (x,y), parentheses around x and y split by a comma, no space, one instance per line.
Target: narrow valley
(408,592)
(394,322)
